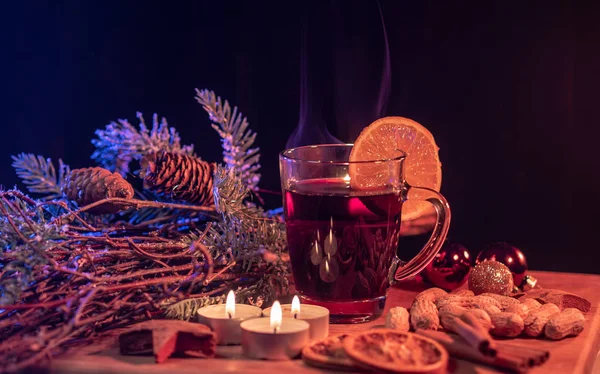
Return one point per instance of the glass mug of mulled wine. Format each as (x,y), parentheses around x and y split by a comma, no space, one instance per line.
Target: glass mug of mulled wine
(343,239)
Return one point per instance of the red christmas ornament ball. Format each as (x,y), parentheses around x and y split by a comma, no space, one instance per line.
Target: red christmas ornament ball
(509,255)
(450,268)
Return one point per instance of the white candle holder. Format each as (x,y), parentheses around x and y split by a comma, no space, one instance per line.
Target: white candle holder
(316,316)
(261,341)
(227,329)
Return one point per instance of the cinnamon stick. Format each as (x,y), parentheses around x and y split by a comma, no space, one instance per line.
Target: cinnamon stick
(475,323)
(520,357)
(538,356)
(475,337)
(457,348)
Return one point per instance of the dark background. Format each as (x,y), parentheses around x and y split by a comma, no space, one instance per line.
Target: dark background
(508,89)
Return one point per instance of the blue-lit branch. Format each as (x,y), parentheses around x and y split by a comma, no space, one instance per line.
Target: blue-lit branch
(121,142)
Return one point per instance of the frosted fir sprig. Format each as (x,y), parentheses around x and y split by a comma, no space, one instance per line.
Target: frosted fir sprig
(244,226)
(236,138)
(121,142)
(39,174)
(25,235)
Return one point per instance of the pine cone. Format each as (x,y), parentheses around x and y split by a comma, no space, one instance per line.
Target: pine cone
(88,185)
(179,177)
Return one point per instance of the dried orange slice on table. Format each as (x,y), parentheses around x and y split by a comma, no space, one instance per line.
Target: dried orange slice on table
(396,352)
(328,354)
(382,140)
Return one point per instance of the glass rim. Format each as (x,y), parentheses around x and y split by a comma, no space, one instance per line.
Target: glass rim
(284,155)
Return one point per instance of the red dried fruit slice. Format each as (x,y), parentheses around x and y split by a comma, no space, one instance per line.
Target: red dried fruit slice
(396,352)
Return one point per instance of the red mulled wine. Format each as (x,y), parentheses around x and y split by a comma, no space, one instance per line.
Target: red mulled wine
(342,243)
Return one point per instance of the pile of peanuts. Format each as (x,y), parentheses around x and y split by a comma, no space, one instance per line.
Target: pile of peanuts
(503,316)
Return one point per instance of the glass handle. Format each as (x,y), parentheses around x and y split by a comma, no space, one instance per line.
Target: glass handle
(401,270)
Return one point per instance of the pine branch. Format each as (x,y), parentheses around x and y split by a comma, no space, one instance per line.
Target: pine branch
(138,216)
(186,309)
(244,227)
(254,239)
(120,142)
(236,138)
(39,174)
(230,194)
(17,274)
(25,236)
(263,291)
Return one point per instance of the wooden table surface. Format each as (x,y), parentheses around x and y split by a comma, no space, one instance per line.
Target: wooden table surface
(570,355)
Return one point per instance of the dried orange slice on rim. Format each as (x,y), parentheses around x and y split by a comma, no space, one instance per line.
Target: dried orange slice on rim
(388,138)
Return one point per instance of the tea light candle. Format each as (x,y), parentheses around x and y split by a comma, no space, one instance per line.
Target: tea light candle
(274,338)
(316,316)
(225,320)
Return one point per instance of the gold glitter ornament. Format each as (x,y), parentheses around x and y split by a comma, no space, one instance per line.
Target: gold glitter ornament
(491,276)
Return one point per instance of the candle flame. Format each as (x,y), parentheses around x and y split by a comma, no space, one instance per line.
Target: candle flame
(346,178)
(295,306)
(230,304)
(276,316)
